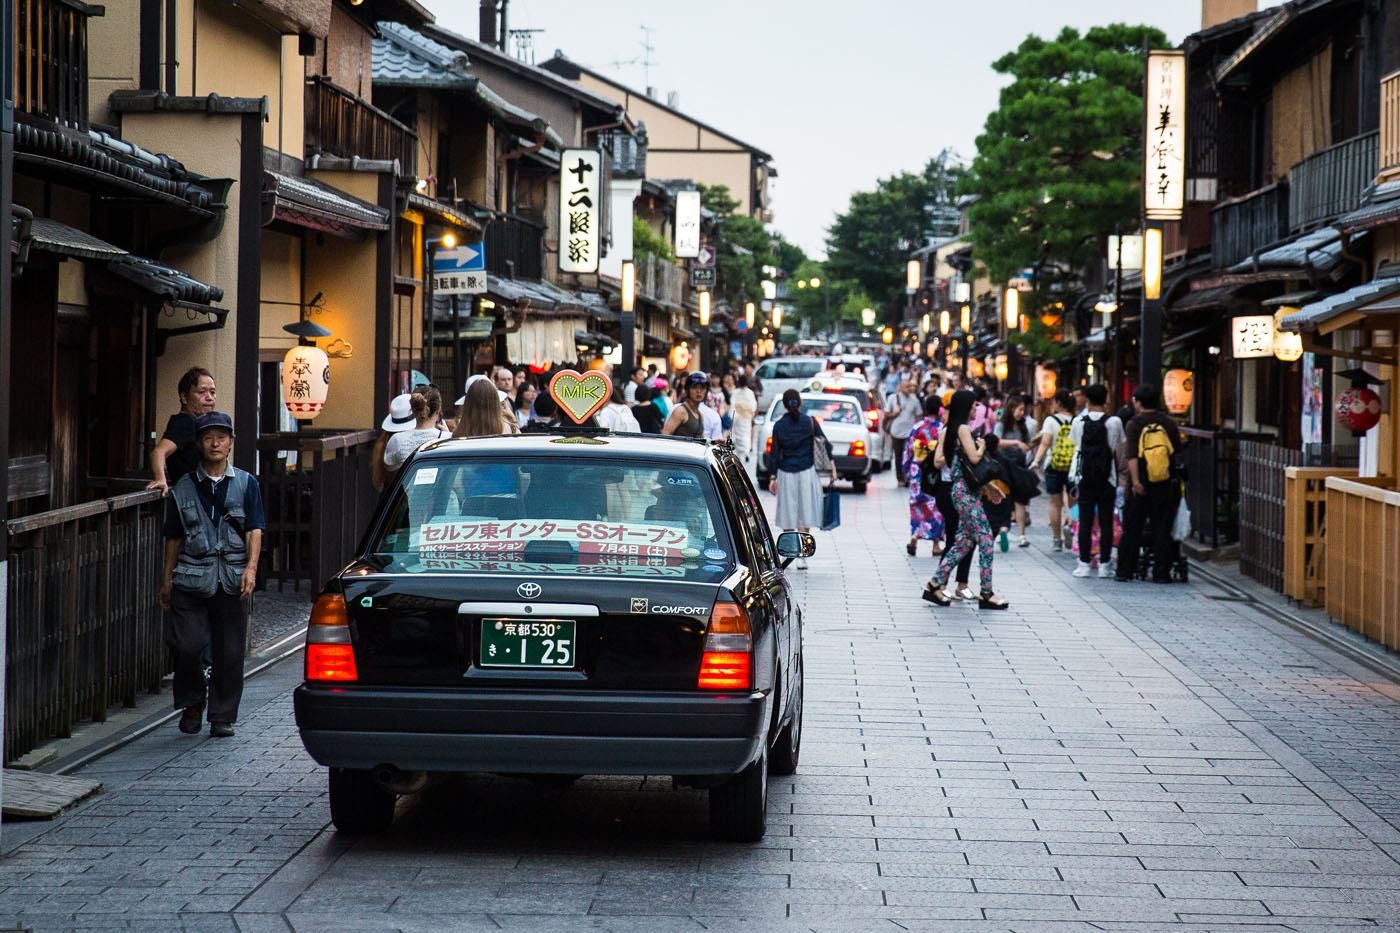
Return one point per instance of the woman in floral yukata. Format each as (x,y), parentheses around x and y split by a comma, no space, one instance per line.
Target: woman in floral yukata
(925,521)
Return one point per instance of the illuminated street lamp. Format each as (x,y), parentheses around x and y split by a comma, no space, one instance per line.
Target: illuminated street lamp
(913,273)
(1012,308)
(749,313)
(945,322)
(966,319)
(867,317)
(1152,263)
(629,285)
(705,309)
(777,316)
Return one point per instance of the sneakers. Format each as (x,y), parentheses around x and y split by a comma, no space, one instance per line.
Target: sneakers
(191,719)
(1068,538)
(1105,570)
(1057,545)
(1022,541)
(1003,541)
(1082,569)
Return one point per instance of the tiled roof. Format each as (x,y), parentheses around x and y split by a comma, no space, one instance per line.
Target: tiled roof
(164,281)
(310,203)
(1310,316)
(54,237)
(1320,249)
(1381,207)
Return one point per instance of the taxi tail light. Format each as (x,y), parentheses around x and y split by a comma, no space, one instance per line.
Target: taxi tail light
(727,663)
(857,448)
(330,657)
(331,663)
(768,445)
(872,419)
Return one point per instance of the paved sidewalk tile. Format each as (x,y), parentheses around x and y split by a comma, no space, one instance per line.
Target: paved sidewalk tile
(1099,757)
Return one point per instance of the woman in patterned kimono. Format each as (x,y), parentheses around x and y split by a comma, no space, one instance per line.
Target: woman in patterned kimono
(925,521)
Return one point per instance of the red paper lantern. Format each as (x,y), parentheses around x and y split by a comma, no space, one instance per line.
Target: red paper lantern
(1359,409)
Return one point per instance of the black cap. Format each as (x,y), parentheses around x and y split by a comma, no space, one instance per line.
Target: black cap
(213,419)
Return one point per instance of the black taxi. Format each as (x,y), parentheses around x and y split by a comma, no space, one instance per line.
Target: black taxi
(560,604)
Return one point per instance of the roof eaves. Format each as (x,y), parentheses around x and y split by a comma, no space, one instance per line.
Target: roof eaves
(575,66)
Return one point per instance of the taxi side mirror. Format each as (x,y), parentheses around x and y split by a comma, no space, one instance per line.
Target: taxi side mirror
(795,544)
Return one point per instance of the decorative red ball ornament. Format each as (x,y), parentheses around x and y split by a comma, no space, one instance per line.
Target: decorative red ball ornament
(1359,409)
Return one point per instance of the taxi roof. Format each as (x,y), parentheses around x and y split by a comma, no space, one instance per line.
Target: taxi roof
(571,441)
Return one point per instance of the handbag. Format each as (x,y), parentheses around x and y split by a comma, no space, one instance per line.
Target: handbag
(831,508)
(821,453)
(976,475)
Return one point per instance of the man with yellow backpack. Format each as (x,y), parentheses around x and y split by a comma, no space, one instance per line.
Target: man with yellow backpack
(1056,451)
(1154,455)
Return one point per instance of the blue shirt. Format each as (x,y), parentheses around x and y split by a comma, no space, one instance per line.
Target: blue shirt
(212,496)
(792,443)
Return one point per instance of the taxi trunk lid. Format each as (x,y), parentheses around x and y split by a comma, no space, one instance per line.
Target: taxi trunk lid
(502,631)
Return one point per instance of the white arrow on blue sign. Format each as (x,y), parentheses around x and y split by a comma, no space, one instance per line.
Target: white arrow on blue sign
(461,258)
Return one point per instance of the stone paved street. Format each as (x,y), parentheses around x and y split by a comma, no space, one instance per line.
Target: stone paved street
(1103,756)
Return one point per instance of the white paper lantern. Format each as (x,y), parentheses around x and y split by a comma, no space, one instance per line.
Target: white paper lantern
(306,380)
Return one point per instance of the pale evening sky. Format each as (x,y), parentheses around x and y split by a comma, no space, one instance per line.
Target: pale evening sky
(841,94)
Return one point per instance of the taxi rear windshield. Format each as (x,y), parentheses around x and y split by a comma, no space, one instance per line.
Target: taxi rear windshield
(831,410)
(556,515)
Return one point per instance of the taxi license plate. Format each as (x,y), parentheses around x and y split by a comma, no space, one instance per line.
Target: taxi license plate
(538,643)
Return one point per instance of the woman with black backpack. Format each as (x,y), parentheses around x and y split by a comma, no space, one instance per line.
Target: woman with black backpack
(970,471)
(925,520)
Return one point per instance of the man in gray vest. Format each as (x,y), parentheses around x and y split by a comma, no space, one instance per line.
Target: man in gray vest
(213,535)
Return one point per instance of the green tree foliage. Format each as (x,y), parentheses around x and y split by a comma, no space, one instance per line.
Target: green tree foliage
(742,245)
(1058,162)
(870,242)
(646,240)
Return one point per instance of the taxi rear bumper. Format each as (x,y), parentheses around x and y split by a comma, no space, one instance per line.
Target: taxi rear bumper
(557,733)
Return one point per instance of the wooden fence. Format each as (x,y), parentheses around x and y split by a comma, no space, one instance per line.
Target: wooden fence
(1363,554)
(1305,532)
(318,498)
(1263,469)
(85,630)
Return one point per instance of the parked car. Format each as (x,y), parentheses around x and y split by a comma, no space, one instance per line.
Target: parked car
(843,423)
(560,604)
(780,373)
(864,394)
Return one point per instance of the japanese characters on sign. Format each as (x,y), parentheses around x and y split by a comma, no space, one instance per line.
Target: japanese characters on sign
(579,203)
(687,224)
(460,270)
(1252,336)
(1164,147)
(467,538)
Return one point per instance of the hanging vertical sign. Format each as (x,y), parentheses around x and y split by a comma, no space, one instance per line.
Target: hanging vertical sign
(1164,145)
(579,200)
(687,224)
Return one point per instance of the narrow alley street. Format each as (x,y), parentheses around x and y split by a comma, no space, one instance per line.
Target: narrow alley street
(1102,756)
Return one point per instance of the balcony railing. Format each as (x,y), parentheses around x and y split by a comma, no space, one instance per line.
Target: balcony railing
(341,124)
(1389,160)
(1240,227)
(514,248)
(659,279)
(1330,182)
(51,60)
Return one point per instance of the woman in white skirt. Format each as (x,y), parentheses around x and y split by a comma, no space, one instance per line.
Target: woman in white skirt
(744,405)
(792,465)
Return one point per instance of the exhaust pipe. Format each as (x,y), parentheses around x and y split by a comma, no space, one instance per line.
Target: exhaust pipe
(399,782)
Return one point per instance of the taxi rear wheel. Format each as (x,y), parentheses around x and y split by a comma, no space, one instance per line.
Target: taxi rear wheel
(739,806)
(788,747)
(358,804)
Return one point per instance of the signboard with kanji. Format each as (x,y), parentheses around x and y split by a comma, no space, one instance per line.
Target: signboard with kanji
(687,224)
(1164,151)
(1252,336)
(460,270)
(580,201)
(702,268)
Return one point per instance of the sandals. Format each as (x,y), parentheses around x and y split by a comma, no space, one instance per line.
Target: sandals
(935,595)
(912,548)
(989,600)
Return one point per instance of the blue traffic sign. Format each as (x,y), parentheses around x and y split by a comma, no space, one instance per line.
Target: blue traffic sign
(461,258)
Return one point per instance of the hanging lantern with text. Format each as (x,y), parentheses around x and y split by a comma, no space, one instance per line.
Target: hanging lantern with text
(1359,410)
(1178,388)
(306,380)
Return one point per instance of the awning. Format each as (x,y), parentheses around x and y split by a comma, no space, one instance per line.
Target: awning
(1297,299)
(538,295)
(1318,252)
(50,236)
(1203,298)
(1181,340)
(309,203)
(442,212)
(1381,207)
(1380,296)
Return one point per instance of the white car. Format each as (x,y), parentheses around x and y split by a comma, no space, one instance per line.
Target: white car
(864,394)
(843,423)
(780,373)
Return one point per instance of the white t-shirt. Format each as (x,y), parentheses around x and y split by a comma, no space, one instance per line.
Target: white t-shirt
(403,444)
(1114,427)
(711,423)
(616,417)
(629,392)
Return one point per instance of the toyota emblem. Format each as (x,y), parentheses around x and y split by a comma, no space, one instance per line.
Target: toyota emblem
(528,590)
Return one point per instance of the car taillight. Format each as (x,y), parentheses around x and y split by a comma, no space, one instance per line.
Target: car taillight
(727,663)
(857,449)
(329,653)
(768,445)
(872,419)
